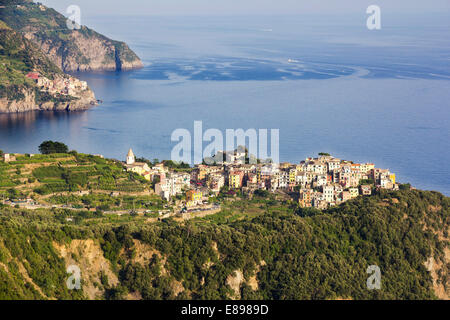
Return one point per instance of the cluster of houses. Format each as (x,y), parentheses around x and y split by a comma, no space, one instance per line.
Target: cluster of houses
(327,181)
(41,7)
(317,182)
(170,184)
(60,85)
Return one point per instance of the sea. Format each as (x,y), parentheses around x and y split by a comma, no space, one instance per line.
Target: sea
(327,83)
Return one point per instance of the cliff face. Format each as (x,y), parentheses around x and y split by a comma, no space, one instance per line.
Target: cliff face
(30,81)
(71,50)
(86,52)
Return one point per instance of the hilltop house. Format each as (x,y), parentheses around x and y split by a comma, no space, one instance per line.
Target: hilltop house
(366,190)
(140,168)
(7,157)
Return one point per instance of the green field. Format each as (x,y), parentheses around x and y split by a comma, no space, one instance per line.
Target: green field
(56,179)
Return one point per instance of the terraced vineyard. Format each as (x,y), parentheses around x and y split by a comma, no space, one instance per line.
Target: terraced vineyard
(76,180)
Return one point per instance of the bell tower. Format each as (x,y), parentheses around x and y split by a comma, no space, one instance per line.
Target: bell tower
(131,159)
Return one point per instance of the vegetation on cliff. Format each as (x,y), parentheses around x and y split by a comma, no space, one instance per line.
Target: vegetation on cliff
(18,56)
(71,50)
(36,39)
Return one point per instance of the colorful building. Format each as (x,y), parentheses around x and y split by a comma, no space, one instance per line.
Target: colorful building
(194,197)
(305,199)
(235,179)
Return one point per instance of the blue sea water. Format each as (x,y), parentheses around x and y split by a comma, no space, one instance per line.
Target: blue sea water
(328,83)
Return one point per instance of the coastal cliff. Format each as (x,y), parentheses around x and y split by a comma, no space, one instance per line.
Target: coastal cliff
(30,81)
(88,51)
(37,48)
(81,49)
(31,100)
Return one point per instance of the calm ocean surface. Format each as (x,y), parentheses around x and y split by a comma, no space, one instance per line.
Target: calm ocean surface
(328,84)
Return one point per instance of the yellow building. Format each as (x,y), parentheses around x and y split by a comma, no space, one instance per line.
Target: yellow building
(137,167)
(292,175)
(235,180)
(147,175)
(202,172)
(392,178)
(193,197)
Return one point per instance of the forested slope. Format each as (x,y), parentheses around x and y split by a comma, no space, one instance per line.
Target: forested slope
(286,255)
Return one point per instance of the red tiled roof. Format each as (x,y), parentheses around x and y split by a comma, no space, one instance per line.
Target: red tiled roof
(33,75)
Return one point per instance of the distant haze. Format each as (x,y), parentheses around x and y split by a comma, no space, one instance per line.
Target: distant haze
(246,7)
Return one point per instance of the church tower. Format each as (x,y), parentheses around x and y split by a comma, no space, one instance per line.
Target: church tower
(131,159)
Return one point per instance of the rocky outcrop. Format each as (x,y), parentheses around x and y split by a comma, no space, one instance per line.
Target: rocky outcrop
(88,52)
(88,256)
(234,281)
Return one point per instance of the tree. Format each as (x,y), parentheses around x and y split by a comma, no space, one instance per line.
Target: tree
(49,147)
(367,181)
(406,186)
(176,165)
(262,193)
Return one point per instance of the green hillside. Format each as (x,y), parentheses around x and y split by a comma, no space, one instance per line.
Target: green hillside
(18,56)
(280,253)
(25,14)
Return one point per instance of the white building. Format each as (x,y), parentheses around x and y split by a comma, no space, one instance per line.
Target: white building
(321,180)
(131,158)
(270,169)
(334,164)
(328,193)
(316,167)
(283,179)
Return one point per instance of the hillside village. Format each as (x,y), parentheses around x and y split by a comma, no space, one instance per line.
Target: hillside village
(319,182)
(60,85)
